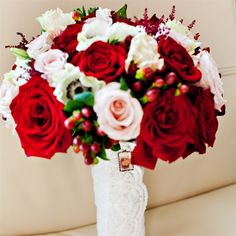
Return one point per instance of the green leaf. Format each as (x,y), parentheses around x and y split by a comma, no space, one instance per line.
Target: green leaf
(81,12)
(92,10)
(102,154)
(86,98)
(143,100)
(20,53)
(87,138)
(116,147)
(123,84)
(122,12)
(113,41)
(72,105)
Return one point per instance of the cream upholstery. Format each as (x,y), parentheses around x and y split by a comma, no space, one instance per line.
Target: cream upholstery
(40,196)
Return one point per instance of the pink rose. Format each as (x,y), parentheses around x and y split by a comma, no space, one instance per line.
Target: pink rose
(51,61)
(119,115)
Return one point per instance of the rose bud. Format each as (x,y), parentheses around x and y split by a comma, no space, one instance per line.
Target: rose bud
(76,149)
(84,147)
(87,125)
(70,123)
(137,86)
(152,95)
(95,148)
(86,112)
(184,89)
(171,78)
(77,115)
(88,159)
(159,82)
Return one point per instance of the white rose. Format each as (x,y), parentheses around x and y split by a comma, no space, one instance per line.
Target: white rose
(210,78)
(119,115)
(95,29)
(119,31)
(55,20)
(51,61)
(7,93)
(39,45)
(181,34)
(144,52)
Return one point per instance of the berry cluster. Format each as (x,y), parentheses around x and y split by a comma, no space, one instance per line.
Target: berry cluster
(88,138)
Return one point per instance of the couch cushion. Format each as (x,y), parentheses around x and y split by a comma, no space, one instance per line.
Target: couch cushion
(212,213)
(38,196)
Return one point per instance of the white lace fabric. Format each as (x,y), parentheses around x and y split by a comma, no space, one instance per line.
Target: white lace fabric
(120,197)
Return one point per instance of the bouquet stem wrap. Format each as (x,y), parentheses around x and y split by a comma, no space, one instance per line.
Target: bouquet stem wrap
(120,196)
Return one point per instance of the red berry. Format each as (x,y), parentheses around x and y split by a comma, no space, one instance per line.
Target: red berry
(88,160)
(95,147)
(171,78)
(152,95)
(76,148)
(159,82)
(86,112)
(100,132)
(77,115)
(70,123)
(87,125)
(184,89)
(84,147)
(148,73)
(137,86)
(77,140)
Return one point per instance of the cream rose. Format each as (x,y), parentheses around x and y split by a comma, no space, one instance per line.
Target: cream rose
(40,44)
(143,52)
(210,78)
(119,115)
(55,20)
(51,61)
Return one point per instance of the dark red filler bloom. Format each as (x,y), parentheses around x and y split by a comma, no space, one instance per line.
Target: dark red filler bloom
(167,127)
(40,119)
(178,59)
(101,60)
(67,40)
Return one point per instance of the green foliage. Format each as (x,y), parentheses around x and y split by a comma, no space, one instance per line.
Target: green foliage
(102,153)
(122,12)
(123,84)
(85,98)
(82,11)
(116,147)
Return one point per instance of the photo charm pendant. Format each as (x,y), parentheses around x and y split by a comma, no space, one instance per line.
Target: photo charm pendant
(124,159)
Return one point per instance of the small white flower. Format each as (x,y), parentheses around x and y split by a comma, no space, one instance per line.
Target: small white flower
(119,31)
(55,20)
(210,78)
(51,61)
(62,79)
(144,52)
(7,93)
(181,34)
(95,29)
(20,75)
(91,82)
(39,45)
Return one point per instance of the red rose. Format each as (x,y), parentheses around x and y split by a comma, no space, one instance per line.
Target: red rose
(67,40)
(167,127)
(40,119)
(178,59)
(102,61)
(207,121)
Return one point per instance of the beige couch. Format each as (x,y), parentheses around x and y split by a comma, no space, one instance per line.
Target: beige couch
(195,197)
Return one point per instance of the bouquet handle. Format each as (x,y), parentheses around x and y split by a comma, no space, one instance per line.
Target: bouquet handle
(120,195)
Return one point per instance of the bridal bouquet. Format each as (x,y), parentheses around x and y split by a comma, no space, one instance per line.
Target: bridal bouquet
(94,78)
